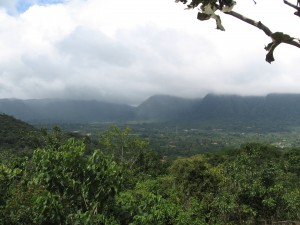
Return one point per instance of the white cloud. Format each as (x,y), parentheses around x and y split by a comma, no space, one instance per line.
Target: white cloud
(129,50)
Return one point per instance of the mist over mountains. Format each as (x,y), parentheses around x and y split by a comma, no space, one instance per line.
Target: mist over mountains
(65,111)
(275,108)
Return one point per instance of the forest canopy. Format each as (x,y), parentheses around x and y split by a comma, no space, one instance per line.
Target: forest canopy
(122,181)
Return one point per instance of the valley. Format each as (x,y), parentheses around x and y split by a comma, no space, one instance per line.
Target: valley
(173,140)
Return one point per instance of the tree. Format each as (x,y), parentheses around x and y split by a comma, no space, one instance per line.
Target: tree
(198,184)
(145,205)
(61,185)
(122,145)
(130,151)
(259,185)
(208,9)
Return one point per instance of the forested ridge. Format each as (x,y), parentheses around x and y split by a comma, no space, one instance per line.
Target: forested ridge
(70,179)
(277,109)
(16,135)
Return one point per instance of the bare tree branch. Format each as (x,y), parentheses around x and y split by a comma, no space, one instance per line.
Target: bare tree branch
(293,6)
(277,37)
(208,9)
(250,21)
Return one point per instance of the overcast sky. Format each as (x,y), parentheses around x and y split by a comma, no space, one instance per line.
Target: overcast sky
(127,50)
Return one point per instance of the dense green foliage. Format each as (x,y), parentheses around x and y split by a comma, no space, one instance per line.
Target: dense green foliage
(16,135)
(125,182)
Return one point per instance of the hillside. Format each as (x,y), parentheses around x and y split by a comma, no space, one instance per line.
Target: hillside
(65,111)
(164,108)
(275,109)
(15,134)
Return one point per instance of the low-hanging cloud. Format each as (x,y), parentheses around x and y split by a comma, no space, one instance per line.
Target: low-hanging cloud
(131,66)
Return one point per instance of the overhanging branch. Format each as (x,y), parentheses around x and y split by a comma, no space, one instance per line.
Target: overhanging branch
(277,37)
(293,6)
(208,9)
(258,24)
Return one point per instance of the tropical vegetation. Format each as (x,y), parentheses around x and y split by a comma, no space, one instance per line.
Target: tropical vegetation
(121,180)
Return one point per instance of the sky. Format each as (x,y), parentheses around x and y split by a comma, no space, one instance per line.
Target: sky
(128,50)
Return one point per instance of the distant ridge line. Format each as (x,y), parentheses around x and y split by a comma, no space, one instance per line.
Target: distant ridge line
(281,108)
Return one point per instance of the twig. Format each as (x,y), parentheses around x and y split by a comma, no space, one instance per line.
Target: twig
(277,37)
(293,6)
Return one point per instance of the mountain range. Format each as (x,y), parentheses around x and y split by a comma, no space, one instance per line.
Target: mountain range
(274,108)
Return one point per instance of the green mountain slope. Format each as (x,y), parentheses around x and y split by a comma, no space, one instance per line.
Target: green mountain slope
(164,108)
(65,111)
(272,109)
(15,134)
